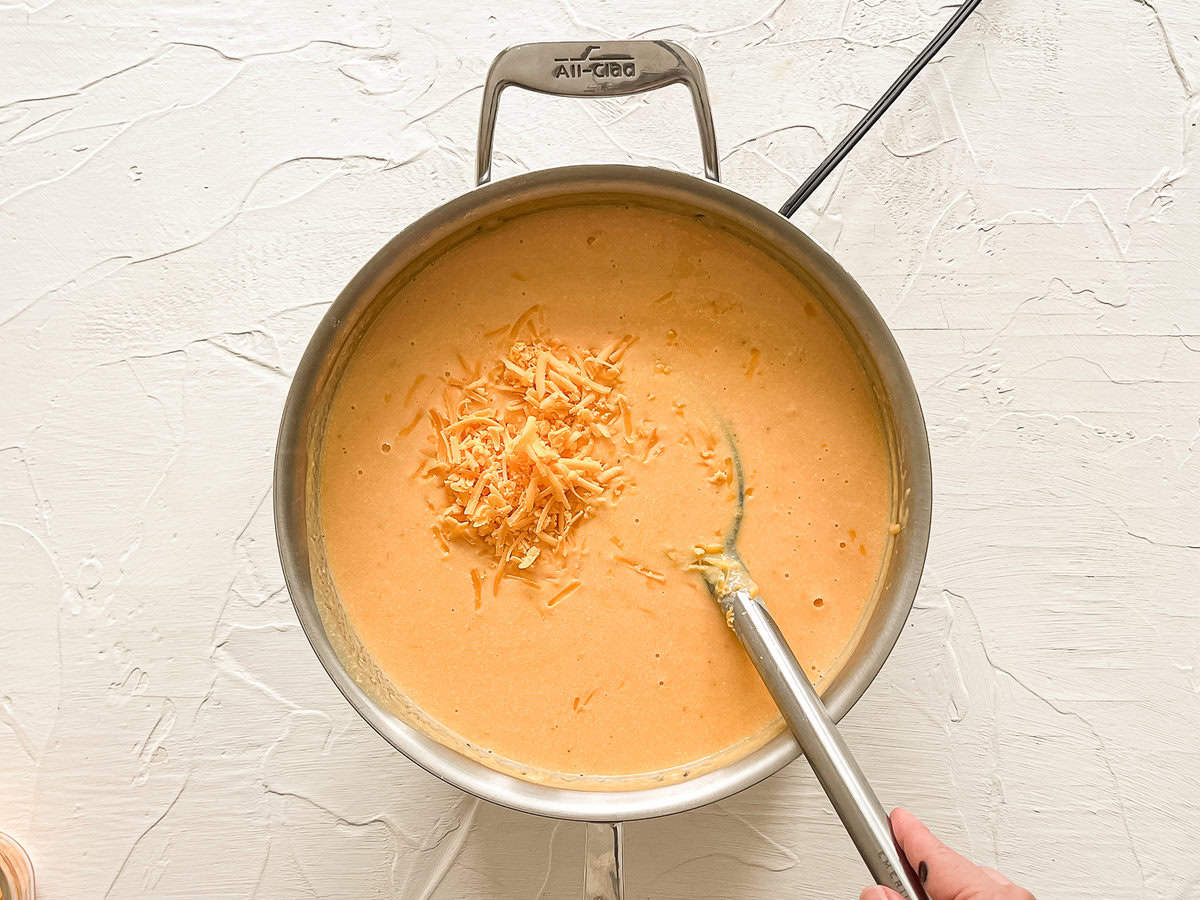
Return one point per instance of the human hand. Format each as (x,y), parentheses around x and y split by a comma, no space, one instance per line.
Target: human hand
(946,875)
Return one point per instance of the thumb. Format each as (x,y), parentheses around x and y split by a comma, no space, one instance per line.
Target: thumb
(879,892)
(946,875)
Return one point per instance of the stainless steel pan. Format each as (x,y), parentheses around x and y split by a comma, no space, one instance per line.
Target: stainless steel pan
(589,70)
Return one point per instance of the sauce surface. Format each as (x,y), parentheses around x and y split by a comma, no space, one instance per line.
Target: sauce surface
(631,670)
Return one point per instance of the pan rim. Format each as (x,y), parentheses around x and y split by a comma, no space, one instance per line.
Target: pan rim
(704,196)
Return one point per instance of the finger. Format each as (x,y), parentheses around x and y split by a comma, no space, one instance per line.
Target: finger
(995,876)
(945,874)
(879,892)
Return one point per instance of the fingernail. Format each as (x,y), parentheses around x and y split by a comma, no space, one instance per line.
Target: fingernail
(923,872)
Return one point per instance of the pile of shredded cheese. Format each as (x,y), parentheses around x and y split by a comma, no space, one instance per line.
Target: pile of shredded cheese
(530,447)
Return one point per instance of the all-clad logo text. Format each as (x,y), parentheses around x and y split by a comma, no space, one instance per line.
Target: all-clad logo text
(600,65)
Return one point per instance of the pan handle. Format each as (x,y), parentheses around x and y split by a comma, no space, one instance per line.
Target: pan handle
(597,69)
(602,875)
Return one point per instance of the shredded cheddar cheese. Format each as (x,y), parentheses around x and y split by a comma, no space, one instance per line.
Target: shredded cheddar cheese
(531,447)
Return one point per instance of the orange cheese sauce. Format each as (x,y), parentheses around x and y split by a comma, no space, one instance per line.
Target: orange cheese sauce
(610,658)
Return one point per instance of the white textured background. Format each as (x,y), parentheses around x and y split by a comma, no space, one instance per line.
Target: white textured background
(185,185)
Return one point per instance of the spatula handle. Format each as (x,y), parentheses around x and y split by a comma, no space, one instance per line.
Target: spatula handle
(843,781)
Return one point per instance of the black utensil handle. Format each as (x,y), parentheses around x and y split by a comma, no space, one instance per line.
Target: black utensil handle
(875,113)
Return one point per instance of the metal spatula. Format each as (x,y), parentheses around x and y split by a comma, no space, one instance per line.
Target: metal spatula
(832,762)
